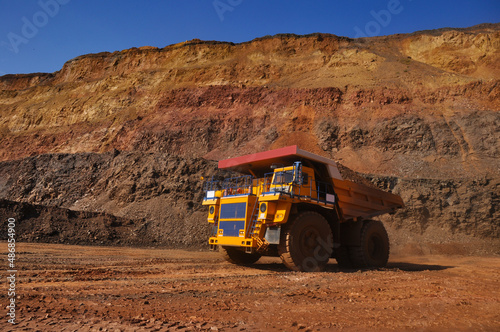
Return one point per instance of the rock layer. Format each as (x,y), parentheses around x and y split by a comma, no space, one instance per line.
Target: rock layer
(155,199)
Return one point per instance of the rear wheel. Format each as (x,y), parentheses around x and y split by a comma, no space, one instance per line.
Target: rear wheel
(237,256)
(306,242)
(374,249)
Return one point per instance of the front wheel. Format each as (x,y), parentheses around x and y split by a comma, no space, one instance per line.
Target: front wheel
(306,242)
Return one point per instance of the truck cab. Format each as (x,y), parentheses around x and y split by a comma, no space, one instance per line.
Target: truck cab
(285,179)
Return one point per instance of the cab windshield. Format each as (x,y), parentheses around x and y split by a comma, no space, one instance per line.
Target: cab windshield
(283,177)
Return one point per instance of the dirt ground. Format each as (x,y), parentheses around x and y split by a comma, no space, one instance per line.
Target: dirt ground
(83,288)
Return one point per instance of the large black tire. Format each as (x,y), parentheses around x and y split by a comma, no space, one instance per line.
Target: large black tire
(374,248)
(306,242)
(237,256)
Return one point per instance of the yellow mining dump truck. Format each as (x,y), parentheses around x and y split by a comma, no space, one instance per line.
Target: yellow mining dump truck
(294,204)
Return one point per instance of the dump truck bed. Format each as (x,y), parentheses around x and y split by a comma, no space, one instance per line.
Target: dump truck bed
(357,200)
(354,199)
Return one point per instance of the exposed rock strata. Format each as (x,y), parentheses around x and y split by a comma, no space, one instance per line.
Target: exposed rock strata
(421,111)
(156,198)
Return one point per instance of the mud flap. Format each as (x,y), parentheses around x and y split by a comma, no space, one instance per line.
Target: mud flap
(273,234)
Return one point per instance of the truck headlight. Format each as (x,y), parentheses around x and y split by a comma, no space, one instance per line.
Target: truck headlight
(263,207)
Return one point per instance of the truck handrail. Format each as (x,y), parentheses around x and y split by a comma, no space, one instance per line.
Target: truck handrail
(240,185)
(211,184)
(323,189)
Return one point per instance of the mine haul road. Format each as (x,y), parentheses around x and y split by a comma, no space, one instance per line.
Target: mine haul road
(84,288)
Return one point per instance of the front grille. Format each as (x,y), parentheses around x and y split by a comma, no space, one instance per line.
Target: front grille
(232,227)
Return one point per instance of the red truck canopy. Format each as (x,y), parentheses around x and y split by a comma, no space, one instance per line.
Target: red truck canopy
(260,163)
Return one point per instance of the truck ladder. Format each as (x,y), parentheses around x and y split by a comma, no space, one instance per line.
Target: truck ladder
(254,228)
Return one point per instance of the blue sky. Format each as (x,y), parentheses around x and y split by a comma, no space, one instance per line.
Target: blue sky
(40,35)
